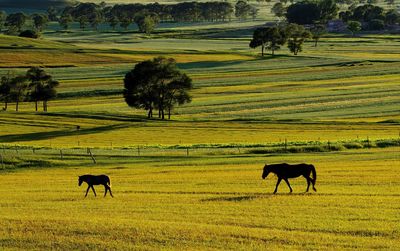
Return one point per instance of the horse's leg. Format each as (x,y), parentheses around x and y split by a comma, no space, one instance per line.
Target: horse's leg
(313,184)
(287,182)
(277,184)
(105,190)
(308,182)
(109,189)
(94,191)
(87,190)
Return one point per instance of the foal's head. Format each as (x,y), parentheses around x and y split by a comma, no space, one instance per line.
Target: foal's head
(80,180)
(266,171)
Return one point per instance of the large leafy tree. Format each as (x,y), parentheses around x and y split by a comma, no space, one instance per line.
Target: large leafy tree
(270,38)
(16,21)
(37,78)
(297,35)
(65,20)
(156,84)
(146,22)
(40,21)
(310,12)
(242,9)
(353,27)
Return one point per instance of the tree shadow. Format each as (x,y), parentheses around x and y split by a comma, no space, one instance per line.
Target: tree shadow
(54,134)
(208,64)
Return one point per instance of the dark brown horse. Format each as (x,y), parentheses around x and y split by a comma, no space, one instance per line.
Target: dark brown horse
(92,180)
(285,171)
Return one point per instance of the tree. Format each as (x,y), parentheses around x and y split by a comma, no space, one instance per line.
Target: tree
(253,12)
(317,31)
(18,90)
(65,20)
(156,83)
(304,12)
(82,22)
(146,22)
(354,26)
(5,90)
(328,10)
(39,21)
(113,21)
(268,38)
(242,9)
(310,12)
(3,17)
(16,21)
(297,35)
(376,24)
(124,22)
(392,17)
(37,77)
(279,10)
(49,92)
(52,14)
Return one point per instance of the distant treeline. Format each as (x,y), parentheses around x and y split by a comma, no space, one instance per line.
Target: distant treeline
(35,4)
(181,12)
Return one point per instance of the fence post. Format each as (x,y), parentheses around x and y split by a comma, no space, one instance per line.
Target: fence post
(329,145)
(138,150)
(2,162)
(285,145)
(368,145)
(187,151)
(61,154)
(91,155)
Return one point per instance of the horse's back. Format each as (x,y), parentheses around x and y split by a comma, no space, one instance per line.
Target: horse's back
(292,170)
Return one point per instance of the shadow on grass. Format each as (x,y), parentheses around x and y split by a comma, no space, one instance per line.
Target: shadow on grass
(54,134)
(208,64)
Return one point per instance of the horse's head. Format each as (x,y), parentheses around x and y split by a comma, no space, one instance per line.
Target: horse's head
(266,171)
(80,180)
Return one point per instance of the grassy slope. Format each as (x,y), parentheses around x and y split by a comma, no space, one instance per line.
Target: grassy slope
(332,83)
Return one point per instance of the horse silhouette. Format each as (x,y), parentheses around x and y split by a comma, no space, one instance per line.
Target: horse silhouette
(92,180)
(285,171)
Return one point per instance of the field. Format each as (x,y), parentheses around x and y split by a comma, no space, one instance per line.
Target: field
(194,182)
(209,202)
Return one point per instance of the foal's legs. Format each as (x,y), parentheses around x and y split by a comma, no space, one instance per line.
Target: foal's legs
(93,190)
(105,190)
(109,189)
(277,184)
(287,182)
(313,184)
(308,182)
(87,190)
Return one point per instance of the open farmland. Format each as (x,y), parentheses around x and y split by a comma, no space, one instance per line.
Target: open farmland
(194,182)
(209,202)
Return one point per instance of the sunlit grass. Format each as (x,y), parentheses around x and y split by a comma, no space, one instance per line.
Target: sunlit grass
(205,203)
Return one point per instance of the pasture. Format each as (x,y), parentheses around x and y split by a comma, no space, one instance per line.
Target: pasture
(194,182)
(204,202)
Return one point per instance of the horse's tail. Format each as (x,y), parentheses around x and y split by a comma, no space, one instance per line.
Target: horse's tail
(108,181)
(314,174)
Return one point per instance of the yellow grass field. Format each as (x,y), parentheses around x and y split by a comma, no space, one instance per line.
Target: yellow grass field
(211,203)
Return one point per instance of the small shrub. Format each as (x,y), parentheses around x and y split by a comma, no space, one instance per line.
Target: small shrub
(387,143)
(353,145)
